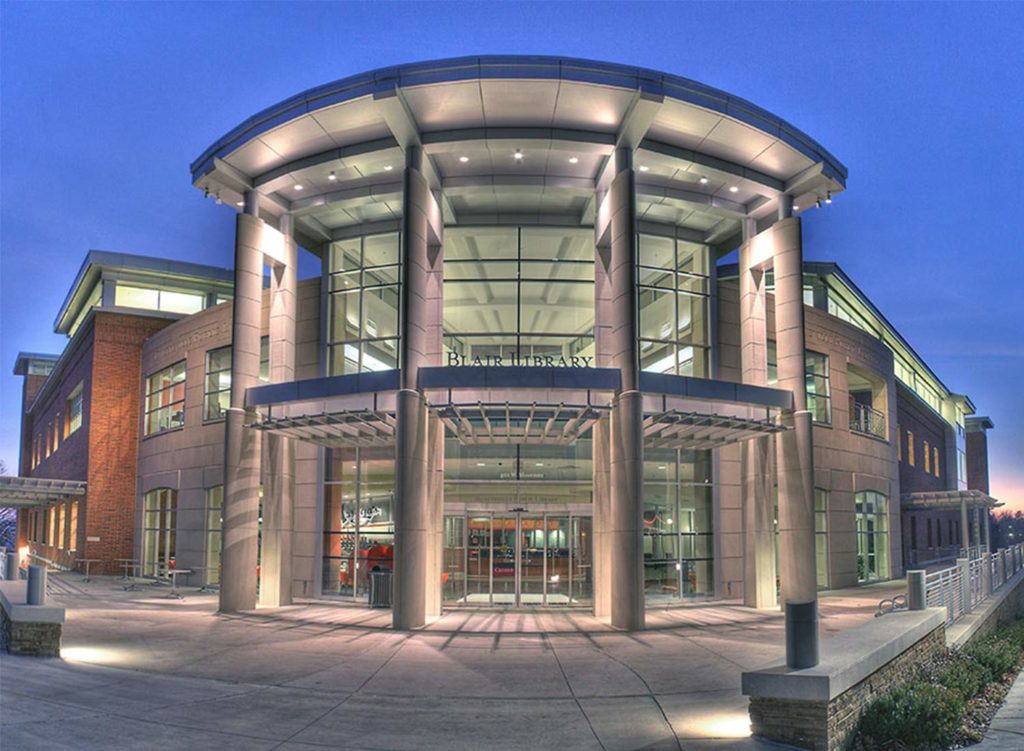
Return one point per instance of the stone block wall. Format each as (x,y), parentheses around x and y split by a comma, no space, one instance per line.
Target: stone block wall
(830,725)
(29,639)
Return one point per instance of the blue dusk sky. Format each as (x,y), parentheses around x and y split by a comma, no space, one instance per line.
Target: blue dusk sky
(103,107)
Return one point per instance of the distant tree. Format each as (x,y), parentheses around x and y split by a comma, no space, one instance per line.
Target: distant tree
(1007,528)
(8,520)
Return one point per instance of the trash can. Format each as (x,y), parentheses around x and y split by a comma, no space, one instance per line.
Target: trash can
(380,589)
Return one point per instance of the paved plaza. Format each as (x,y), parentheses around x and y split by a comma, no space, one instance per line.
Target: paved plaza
(143,671)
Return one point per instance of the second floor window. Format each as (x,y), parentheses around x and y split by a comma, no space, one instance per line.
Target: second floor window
(218,383)
(165,399)
(819,400)
(74,411)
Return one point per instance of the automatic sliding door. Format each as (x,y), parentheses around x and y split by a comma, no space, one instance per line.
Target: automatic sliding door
(504,564)
(479,553)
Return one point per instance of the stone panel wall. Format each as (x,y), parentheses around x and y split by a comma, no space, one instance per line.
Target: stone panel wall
(829,725)
(29,639)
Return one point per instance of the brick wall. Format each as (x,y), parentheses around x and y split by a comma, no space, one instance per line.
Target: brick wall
(926,426)
(977,460)
(115,415)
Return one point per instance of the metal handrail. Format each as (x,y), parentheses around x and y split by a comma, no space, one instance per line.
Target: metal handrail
(987,573)
(865,419)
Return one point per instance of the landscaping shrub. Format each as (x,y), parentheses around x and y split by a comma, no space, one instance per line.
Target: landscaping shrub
(965,675)
(919,715)
(997,654)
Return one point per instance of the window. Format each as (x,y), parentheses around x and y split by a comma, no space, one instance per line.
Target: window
(899,443)
(519,296)
(913,532)
(821,535)
(217,396)
(55,529)
(930,537)
(927,457)
(73,420)
(872,536)
(935,460)
(129,296)
(364,301)
(46,440)
(217,386)
(73,527)
(214,525)
(672,297)
(165,399)
(819,400)
(158,531)
(772,362)
(910,448)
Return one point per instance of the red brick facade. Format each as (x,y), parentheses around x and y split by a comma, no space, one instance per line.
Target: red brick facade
(105,357)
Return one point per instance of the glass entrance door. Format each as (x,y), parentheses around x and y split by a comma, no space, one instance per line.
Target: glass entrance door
(517,559)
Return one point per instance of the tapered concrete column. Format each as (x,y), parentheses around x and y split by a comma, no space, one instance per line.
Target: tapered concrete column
(413,526)
(279,490)
(986,530)
(435,501)
(417,514)
(618,347)
(602,493)
(965,528)
(241,444)
(794,453)
(755,464)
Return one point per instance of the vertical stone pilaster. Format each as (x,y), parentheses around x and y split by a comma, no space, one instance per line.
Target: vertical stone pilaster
(242,445)
(418,495)
(794,446)
(602,494)
(755,460)
(279,490)
(620,522)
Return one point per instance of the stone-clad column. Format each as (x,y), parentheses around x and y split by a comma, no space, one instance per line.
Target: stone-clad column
(601,437)
(794,453)
(242,445)
(279,490)
(618,347)
(755,455)
(417,570)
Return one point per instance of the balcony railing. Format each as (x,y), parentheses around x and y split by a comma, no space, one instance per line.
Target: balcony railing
(865,419)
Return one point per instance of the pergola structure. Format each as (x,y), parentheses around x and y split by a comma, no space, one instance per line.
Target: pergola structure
(23,492)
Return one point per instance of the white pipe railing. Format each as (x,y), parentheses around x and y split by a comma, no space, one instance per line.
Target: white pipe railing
(960,588)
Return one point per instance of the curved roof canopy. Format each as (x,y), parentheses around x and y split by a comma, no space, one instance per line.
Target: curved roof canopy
(516,139)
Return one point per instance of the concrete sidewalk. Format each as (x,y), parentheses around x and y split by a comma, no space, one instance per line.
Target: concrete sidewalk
(1006,733)
(141,671)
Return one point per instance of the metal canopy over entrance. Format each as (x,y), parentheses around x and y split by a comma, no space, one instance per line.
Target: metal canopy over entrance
(35,491)
(355,428)
(947,499)
(692,430)
(508,422)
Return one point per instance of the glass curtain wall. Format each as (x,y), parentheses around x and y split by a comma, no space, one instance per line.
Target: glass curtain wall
(672,278)
(519,296)
(214,534)
(364,287)
(359,522)
(872,536)
(678,533)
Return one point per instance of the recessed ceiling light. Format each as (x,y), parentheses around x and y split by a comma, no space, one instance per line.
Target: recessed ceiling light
(332,177)
(388,168)
(481,464)
(463,159)
(539,464)
(518,154)
(733,189)
(298,187)
(644,168)
(703,181)
(239,203)
(573,159)
(795,207)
